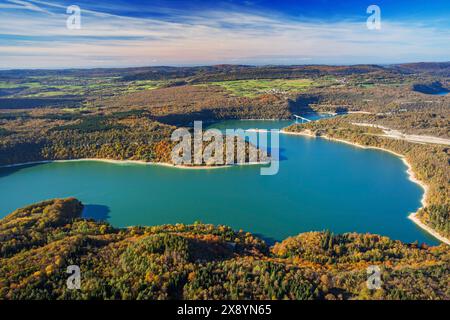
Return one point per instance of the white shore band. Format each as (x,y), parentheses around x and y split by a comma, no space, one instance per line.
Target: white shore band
(140,162)
(413,216)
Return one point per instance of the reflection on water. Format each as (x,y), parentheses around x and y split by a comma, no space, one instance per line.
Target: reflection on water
(96,211)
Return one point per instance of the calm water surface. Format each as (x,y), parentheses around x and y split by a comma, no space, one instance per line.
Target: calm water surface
(321,185)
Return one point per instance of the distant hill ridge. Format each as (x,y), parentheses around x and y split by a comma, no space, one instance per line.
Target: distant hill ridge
(234,72)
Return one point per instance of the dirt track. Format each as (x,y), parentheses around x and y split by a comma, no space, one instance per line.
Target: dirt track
(395,134)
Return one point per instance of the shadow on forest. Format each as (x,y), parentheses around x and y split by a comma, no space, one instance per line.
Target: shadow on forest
(302,105)
(268,240)
(97,212)
(187,119)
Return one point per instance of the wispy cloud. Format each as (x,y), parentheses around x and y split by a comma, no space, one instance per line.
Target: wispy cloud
(34,34)
(25,5)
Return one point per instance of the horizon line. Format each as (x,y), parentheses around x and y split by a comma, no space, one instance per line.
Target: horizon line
(223,64)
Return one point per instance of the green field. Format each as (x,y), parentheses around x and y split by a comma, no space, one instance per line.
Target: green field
(253,88)
(68,86)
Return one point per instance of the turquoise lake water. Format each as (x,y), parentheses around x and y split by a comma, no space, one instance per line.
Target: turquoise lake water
(321,185)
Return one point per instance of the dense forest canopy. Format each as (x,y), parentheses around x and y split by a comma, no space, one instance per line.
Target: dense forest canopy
(70,114)
(39,242)
(129,114)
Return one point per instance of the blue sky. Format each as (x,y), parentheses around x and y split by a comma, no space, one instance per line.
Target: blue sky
(33,33)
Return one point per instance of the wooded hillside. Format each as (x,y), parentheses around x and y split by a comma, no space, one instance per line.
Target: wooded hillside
(199,261)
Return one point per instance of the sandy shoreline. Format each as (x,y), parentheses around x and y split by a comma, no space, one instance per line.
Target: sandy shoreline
(411,175)
(139,162)
(397,134)
(413,216)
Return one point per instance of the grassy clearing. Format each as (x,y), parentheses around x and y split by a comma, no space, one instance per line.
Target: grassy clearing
(66,86)
(143,85)
(252,88)
(14,85)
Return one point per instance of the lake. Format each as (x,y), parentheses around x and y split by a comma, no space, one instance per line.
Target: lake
(321,185)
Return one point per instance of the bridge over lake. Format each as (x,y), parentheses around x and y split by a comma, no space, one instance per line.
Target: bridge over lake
(302,119)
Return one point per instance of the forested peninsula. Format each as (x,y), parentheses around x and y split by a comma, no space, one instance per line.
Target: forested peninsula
(129,114)
(201,261)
